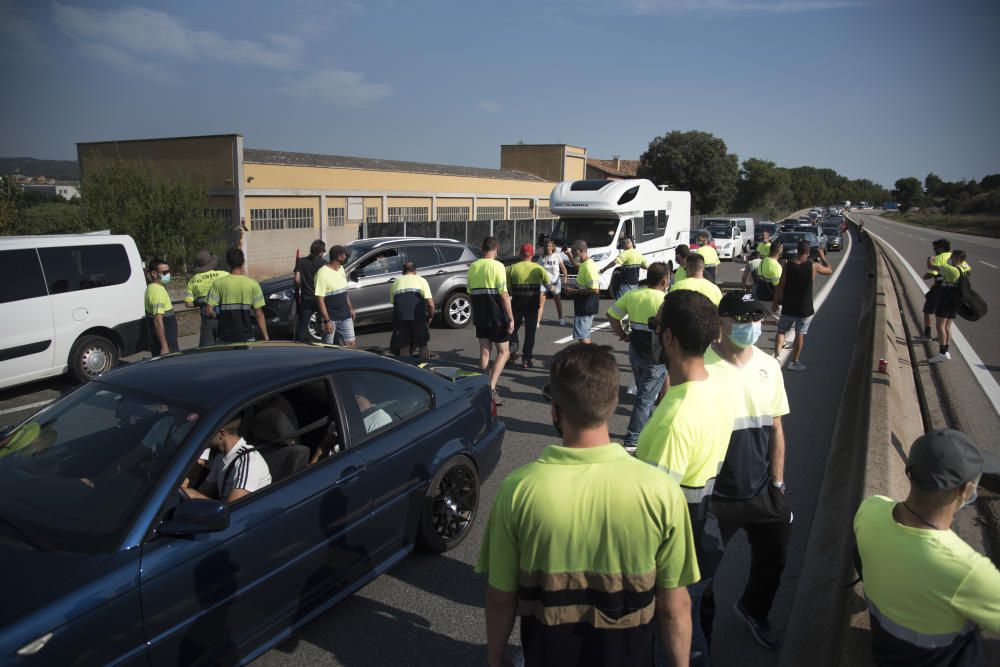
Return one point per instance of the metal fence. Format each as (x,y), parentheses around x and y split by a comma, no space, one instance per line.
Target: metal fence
(509,233)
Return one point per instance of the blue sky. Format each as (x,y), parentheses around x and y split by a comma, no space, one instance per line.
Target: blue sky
(876,89)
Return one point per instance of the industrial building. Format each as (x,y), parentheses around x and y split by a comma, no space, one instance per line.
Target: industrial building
(284,200)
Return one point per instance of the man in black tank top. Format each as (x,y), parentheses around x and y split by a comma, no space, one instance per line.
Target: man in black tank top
(794,296)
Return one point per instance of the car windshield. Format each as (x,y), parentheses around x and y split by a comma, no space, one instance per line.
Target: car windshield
(831,229)
(596,232)
(791,239)
(721,232)
(74,477)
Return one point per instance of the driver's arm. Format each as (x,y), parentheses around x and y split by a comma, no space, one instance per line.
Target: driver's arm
(236,494)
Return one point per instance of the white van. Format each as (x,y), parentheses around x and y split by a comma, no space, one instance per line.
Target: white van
(603,213)
(68,302)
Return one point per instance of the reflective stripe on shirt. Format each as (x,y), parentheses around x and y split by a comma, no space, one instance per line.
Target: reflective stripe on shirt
(917,638)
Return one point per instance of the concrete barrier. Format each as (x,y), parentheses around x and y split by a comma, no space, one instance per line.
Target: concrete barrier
(878,419)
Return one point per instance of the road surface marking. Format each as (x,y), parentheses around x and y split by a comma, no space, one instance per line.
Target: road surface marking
(992,266)
(603,325)
(976,365)
(22,408)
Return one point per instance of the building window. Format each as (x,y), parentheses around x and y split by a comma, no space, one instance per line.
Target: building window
(521,213)
(453,213)
(335,217)
(281,218)
(489,213)
(223,214)
(409,214)
(371,215)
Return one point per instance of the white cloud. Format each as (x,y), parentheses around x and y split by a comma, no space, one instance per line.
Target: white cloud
(492,107)
(736,6)
(338,88)
(125,62)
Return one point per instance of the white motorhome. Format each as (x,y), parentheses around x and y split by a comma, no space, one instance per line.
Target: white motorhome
(70,302)
(603,213)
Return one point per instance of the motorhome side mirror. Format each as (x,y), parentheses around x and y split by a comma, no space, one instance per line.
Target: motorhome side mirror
(195,516)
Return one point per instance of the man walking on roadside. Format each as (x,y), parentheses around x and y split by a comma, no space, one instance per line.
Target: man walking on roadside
(333,302)
(305,284)
(526,279)
(491,311)
(926,589)
(205,275)
(590,547)
(750,489)
(794,297)
(696,281)
(161,324)
(769,273)
(586,295)
(680,440)
(640,306)
(764,247)
(237,301)
(412,311)
(948,300)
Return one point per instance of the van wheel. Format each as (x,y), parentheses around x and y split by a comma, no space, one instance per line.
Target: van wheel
(91,356)
(450,505)
(457,310)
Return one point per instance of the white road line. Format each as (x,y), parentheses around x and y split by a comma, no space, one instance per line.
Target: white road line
(992,266)
(976,365)
(22,408)
(602,325)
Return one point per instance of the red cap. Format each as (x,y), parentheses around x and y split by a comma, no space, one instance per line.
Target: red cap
(528,249)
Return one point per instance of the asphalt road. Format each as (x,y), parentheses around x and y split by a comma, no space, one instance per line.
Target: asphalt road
(428,610)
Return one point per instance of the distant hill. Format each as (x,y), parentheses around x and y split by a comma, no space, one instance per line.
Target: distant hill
(61,170)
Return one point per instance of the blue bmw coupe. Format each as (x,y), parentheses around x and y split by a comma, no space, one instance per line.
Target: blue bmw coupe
(107,557)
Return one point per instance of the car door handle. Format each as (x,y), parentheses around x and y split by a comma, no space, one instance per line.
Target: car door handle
(442,271)
(350,474)
(391,280)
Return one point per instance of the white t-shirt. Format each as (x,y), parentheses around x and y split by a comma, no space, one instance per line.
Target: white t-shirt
(551,265)
(376,419)
(232,471)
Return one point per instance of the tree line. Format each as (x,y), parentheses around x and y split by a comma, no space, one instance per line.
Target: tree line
(956,197)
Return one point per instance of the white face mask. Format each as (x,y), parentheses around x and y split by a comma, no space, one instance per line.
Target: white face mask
(971,500)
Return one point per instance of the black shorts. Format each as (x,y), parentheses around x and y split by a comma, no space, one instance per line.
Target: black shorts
(412,333)
(494,334)
(947,302)
(930,300)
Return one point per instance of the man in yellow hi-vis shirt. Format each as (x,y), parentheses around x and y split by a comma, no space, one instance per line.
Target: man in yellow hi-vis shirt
(205,275)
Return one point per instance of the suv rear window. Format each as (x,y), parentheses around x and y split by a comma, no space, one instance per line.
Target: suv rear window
(451,253)
(422,255)
(20,275)
(73,268)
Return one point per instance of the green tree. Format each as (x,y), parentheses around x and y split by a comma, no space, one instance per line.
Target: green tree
(165,216)
(762,183)
(693,161)
(52,218)
(909,193)
(933,185)
(10,195)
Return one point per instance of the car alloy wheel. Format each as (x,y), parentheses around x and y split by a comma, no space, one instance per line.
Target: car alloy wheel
(452,502)
(458,310)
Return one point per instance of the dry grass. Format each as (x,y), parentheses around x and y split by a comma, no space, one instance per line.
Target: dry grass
(980,225)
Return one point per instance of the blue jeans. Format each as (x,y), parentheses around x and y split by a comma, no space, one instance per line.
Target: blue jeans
(582,325)
(648,381)
(306,311)
(343,332)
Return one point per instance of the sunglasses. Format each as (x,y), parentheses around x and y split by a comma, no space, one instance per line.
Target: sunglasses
(743,318)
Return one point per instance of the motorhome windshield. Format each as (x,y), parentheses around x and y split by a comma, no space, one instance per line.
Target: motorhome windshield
(597,232)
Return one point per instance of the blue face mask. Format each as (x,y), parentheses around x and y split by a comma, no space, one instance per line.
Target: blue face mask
(745,334)
(165,278)
(971,500)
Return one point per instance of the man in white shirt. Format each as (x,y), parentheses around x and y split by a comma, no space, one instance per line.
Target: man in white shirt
(236,470)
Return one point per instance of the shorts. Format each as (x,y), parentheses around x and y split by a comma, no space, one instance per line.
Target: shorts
(930,300)
(785,322)
(554,290)
(581,326)
(947,303)
(493,334)
(412,333)
(343,332)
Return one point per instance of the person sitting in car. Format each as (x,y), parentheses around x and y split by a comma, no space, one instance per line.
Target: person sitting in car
(235,470)
(373,416)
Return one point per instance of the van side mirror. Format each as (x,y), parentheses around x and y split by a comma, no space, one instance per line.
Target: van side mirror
(195,516)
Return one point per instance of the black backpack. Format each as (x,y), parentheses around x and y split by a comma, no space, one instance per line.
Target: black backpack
(971,306)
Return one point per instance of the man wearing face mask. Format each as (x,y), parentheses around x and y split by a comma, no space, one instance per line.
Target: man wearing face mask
(927,589)
(750,489)
(161,325)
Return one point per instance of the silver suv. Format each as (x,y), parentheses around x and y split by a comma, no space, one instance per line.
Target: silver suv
(372,266)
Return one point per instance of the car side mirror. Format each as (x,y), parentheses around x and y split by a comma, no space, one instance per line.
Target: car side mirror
(195,516)
(357,273)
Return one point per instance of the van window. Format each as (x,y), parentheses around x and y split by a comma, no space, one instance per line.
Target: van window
(20,275)
(73,268)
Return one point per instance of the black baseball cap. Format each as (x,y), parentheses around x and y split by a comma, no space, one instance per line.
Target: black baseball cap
(945,459)
(740,303)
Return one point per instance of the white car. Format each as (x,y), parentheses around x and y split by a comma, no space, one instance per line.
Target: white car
(728,241)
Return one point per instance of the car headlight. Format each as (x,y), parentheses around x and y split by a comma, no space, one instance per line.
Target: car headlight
(282,295)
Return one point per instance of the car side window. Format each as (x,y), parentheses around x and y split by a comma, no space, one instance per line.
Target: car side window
(376,402)
(424,256)
(20,275)
(451,253)
(74,268)
(382,262)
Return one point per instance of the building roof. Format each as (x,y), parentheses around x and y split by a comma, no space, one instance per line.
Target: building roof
(260,156)
(615,167)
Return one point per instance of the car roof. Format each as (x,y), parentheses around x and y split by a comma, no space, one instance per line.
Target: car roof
(369,244)
(204,377)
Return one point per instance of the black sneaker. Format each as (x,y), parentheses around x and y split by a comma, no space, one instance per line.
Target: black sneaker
(760,628)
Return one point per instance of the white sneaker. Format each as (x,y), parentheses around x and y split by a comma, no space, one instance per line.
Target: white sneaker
(796,366)
(939,357)
(562,322)
(788,346)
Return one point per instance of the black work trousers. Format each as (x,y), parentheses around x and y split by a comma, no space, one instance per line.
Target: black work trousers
(529,316)
(767,519)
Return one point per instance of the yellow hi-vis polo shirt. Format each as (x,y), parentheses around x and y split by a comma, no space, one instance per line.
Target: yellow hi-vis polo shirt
(709,253)
(585,537)
(237,297)
(331,285)
(487,282)
(702,286)
(525,279)
(926,590)
(764,249)
(156,301)
(639,305)
(408,296)
(200,283)
(631,261)
(587,277)
(770,270)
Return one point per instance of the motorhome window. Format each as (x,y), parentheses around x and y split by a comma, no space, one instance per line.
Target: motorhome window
(628,196)
(596,232)
(588,185)
(661,220)
(73,268)
(649,221)
(20,275)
